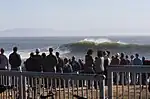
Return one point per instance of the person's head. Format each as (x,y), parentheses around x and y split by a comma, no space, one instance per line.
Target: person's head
(117,55)
(43,55)
(132,57)
(37,51)
(65,60)
(127,56)
(122,55)
(143,58)
(104,53)
(113,57)
(136,55)
(2,51)
(100,53)
(108,53)
(15,49)
(51,50)
(73,58)
(80,61)
(69,60)
(90,52)
(57,54)
(31,54)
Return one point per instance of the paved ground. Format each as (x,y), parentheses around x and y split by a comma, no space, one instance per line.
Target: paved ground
(119,93)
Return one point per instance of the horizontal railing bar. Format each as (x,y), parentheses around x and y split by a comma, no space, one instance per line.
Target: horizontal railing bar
(53,75)
(129,68)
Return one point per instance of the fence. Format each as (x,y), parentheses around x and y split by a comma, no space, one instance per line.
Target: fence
(128,82)
(33,85)
(123,82)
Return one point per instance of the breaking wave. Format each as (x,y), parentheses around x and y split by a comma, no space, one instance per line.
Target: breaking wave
(105,44)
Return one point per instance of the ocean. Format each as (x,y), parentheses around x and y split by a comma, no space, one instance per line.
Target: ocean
(77,46)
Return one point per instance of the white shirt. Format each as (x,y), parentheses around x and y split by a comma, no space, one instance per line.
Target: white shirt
(3,62)
(99,64)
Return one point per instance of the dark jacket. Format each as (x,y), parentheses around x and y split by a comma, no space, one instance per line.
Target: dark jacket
(37,63)
(14,60)
(67,68)
(29,64)
(51,61)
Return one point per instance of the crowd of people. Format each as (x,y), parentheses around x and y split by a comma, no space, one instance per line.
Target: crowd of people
(40,62)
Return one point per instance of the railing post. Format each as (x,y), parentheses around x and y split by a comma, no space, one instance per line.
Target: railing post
(24,87)
(21,96)
(102,87)
(110,84)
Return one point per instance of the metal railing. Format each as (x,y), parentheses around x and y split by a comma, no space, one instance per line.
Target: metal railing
(38,85)
(128,82)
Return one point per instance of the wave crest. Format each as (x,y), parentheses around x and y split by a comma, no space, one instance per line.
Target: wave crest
(105,44)
(99,41)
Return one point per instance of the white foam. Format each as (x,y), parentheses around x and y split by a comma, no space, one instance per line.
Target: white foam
(26,53)
(100,40)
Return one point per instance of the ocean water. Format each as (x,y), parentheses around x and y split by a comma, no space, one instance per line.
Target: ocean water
(77,46)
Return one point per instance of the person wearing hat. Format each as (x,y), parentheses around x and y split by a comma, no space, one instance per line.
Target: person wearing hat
(15,59)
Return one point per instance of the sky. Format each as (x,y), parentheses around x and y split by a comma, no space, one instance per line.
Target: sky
(94,16)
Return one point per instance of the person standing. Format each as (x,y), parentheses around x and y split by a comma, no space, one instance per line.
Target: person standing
(115,62)
(38,61)
(15,59)
(51,61)
(127,74)
(43,62)
(29,63)
(75,65)
(3,60)
(99,63)
(4,66)
(137,61)
(60,63)
(122,74)
(89,63)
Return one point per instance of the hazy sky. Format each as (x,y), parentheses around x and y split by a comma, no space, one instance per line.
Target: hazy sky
(125,15)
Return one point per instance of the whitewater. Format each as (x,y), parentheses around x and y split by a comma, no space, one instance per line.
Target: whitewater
(69,46)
